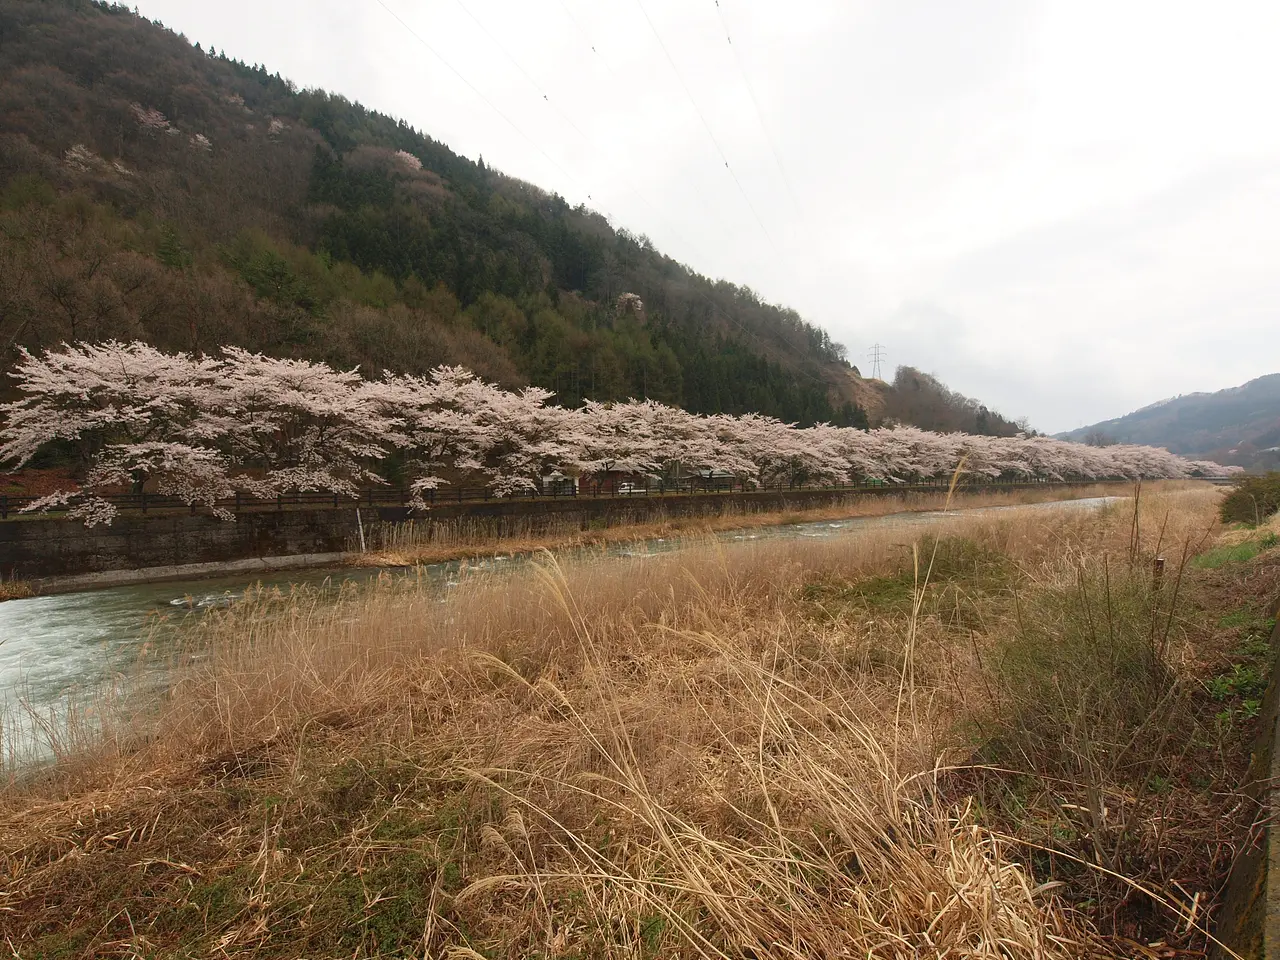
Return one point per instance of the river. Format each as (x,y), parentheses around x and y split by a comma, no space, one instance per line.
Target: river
(59,650)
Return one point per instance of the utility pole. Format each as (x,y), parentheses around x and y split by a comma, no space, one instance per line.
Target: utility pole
(877,353)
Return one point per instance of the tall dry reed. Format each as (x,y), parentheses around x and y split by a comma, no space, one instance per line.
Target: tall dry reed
(736,750)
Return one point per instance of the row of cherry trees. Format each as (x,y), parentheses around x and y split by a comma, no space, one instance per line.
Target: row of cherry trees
(206,428)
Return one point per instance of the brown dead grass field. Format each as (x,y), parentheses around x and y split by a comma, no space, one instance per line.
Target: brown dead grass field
(992,736)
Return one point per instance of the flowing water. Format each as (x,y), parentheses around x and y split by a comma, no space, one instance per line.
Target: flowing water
(59,650)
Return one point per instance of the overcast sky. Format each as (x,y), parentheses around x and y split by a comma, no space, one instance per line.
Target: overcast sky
(1067,209)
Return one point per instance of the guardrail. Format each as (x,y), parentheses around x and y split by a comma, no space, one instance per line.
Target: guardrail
(11,506)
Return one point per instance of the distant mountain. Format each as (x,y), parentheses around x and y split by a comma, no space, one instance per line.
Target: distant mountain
(1239,425)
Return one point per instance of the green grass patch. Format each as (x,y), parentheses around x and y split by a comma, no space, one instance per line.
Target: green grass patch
(1240,687)
(1084,669)
(1236,553)
(1245,681)
(944,560)
(1236,618)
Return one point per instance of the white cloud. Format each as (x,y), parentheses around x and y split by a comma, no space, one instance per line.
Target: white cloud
(1065,208)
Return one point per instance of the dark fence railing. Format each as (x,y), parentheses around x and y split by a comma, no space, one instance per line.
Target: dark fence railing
(11,506)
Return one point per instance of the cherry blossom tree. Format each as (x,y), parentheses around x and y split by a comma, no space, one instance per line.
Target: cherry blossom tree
(616,438)
(203,428)
(132,414)
(457,428)
(778,454)
(291,425)
(199,429)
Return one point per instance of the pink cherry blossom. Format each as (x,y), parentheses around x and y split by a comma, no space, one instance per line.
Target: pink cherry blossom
(202,429)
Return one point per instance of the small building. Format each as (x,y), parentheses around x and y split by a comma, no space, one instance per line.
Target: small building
(558,484)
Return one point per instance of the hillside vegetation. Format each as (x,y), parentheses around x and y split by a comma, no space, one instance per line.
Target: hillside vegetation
(1239,425)
(155,190)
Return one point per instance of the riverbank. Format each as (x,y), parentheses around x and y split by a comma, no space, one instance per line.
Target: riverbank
(410,543)
(16,590)
(991,736)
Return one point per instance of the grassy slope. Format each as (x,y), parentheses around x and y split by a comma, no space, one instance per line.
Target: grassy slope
(873,746)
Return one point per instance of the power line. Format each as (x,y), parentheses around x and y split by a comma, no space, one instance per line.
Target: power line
(472,87)
(756,103)
(706,126)
(523,72)
(715,307)
(530,80)
(711,303)
(630,184)
(564,116)
(499,112)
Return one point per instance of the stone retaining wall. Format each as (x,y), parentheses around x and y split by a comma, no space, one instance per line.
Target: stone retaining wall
(33,548)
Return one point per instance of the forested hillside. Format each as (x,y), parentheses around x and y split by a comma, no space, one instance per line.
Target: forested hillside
(922,400)
(1239,425)
(153,189)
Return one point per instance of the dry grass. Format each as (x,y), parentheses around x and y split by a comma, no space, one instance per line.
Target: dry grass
(15,590)
(775,749)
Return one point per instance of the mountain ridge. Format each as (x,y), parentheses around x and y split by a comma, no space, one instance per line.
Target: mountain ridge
(1236,425)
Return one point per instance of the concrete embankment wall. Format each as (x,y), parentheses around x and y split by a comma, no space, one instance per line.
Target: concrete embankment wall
(35,548)
(39,548)
(1249,921)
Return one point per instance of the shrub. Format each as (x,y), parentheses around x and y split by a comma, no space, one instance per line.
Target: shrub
(1083,676)
(1253,500)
